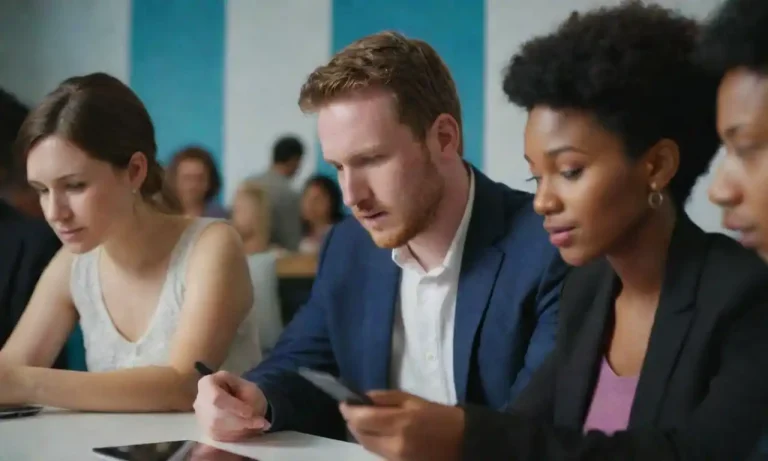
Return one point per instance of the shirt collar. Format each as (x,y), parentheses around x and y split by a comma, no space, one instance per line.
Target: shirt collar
(403,257)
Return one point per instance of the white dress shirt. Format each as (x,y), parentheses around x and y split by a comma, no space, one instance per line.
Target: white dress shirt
(422,334)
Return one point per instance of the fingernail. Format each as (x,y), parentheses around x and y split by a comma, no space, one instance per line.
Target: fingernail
(262,425)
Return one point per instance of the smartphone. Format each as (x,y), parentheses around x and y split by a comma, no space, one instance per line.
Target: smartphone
(177,450)
(19,411)
(333,386)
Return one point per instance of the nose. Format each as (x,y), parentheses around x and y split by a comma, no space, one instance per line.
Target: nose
(56,207)
(546,202)
(354,187)
(724,190)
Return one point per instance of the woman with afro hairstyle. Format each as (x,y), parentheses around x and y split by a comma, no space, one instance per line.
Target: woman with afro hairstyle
(735,46)
(662,352)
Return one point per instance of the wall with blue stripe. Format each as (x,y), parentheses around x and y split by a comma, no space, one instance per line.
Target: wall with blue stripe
(177,69)
(226,73)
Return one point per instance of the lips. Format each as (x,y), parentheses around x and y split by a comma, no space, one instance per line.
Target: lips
(69,234)
(371,215)
(560,236)
(749,235)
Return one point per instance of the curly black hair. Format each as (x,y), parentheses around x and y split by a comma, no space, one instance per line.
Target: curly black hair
(736,36)
(632,67)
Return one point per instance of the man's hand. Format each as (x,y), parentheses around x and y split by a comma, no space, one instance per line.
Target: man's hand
(229,408)
(402,427)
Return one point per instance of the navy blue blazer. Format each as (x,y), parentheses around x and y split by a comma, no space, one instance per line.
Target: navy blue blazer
(505,324)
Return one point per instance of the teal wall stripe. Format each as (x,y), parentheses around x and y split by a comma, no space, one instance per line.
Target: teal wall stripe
(177,68)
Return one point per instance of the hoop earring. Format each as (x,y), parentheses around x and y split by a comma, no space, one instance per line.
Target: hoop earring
(655,199)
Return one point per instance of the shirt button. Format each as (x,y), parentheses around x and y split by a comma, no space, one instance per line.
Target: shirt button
(431,357)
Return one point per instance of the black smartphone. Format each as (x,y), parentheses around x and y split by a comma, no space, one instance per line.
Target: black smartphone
(177,450)
(333,386)
(19,411)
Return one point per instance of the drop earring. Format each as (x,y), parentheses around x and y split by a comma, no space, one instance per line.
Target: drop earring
(655,198)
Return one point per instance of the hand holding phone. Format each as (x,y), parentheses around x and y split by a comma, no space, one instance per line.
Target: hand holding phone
(333,386)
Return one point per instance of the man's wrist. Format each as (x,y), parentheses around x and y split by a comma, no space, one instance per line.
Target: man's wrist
(265,409)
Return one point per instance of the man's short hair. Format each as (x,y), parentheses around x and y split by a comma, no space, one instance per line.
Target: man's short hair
(410,69)
(287,148)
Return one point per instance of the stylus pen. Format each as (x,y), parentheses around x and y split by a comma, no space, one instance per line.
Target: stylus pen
(203,369)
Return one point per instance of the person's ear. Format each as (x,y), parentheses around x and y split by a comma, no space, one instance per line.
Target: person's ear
(446,135)
(661,163)
(138,167)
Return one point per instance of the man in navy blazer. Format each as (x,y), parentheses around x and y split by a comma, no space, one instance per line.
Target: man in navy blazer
(444,283)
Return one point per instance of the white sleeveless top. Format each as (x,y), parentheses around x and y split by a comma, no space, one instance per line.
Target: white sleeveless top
(107,349)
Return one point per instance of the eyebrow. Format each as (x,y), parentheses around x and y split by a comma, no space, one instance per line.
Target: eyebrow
(554,152)
(60,178)
(365,152)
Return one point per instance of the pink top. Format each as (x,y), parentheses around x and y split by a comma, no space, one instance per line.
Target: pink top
(611,401)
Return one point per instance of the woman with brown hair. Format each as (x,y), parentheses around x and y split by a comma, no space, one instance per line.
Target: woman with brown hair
(195,180)
(153,291)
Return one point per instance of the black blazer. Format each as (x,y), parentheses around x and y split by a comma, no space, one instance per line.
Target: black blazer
(26,246)
(703,388)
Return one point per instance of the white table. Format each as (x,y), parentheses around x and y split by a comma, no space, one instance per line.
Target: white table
(63,436)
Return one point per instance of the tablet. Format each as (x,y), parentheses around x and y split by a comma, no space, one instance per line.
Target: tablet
(178,450)
(19,411)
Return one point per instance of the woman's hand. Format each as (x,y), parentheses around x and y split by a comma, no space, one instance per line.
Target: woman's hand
(402,427)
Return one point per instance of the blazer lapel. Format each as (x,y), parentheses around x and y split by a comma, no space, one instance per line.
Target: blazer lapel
(380,295)
(480,264)
(673,319)
(580,372)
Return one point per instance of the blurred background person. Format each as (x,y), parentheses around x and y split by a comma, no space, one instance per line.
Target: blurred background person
(251,218)
(194,178)
(287,153)
(321,207)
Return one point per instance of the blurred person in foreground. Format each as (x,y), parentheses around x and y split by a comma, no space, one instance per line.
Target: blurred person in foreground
(735,46)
